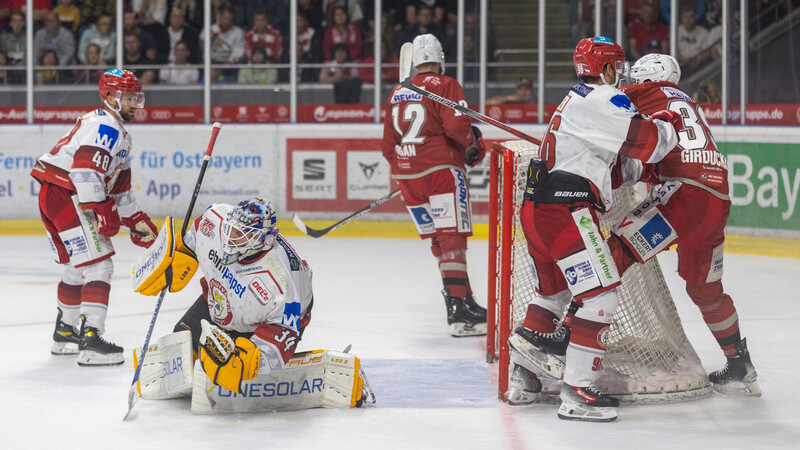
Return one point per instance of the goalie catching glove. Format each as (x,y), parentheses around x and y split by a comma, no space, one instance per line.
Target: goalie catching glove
(225,361)
(167,262)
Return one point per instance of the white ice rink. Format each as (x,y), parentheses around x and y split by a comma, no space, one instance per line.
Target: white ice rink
(433,391)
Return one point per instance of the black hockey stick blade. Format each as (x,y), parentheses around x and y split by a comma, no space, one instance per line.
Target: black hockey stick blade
(468,112)
(319,233)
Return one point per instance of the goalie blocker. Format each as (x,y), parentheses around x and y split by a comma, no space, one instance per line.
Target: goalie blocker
(168,262)
(312,379)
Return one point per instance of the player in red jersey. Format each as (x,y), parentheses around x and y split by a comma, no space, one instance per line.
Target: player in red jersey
(85,197)
(690,209)
(427,145)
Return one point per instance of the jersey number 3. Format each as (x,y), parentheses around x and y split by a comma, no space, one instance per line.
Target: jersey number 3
(693,136)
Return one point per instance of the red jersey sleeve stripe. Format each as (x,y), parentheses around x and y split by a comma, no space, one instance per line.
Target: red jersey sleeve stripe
(641,141)
(123,183)
(85,158)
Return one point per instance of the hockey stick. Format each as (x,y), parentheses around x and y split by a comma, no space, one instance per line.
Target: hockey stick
(318,233)
(132,397)
(406,53)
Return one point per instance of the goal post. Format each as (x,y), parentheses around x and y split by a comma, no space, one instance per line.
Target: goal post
(648,358)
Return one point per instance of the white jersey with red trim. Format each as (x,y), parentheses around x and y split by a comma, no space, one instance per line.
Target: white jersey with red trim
(270,296)
(594,124)
(92,160)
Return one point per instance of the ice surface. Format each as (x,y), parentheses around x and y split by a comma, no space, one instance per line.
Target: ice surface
(433,391)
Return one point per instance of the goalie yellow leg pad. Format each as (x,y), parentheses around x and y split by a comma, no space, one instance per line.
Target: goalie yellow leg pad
(343,386)
(311,379)
(167,367)
(241,366)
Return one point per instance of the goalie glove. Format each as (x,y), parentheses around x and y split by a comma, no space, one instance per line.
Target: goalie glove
(227,362)
(141,222)
(475,154)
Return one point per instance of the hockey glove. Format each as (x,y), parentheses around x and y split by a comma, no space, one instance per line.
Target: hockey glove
(672,117)
(107,217)
(475,154)
(225,361)
(184,265)
(141,222)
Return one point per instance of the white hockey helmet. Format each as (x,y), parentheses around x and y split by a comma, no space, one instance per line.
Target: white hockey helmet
(656,67)
(427,49)
(249,228)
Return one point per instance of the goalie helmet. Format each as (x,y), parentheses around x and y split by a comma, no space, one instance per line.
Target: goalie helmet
(116,82)
(249,228)
(656,67)
(427,49)
(592,54)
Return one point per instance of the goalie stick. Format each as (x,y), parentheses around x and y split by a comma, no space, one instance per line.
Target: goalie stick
(132,397)
(406,53)
(319,233)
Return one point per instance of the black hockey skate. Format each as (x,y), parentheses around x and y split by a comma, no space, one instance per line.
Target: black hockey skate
(462,321)
(587,404)
(738,376)
(96,351)
(547,352)
(475,310)
(65,338)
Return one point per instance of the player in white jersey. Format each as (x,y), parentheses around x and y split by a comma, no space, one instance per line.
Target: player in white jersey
(256,289)
(246,325)
(567,188)
(85,196)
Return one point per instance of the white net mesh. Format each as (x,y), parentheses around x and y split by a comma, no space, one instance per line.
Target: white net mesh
(649,357)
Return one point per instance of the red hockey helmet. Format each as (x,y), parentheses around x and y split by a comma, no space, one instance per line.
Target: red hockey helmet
(117,81)
(592,54)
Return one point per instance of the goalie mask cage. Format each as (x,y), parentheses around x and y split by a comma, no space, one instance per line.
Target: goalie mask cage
(648,358)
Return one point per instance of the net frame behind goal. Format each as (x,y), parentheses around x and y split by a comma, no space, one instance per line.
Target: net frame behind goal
(648,359)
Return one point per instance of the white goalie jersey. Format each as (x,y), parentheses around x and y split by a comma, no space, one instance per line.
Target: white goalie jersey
(270,296)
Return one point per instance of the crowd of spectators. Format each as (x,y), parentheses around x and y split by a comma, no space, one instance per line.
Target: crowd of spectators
(247,37)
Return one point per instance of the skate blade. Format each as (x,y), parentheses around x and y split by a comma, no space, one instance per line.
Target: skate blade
(460,329)
(739,389)
(64,349)
(585,413)
(548,364)
(89,358)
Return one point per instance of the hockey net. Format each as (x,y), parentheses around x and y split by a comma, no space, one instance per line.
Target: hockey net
(648,359)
